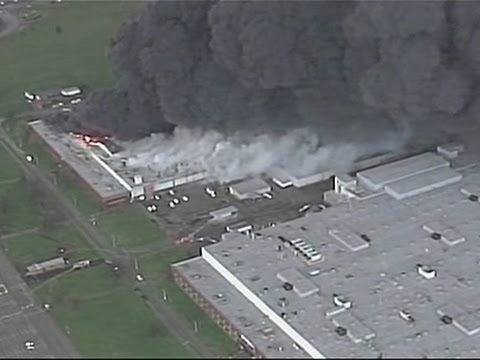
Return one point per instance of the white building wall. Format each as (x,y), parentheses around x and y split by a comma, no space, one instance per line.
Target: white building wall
(111,171)
(308,180)
(255,300)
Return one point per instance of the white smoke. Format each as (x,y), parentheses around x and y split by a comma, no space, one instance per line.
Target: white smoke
(227,158)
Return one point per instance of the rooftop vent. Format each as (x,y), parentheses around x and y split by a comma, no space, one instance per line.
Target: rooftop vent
(405,315)
(341,331)
(287,286)
(283,315)
(426,272)
(446,319)
(341,301)
(255,278)
(365,237)
(282,302)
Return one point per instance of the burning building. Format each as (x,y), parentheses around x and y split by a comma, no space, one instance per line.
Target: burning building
(93,158)
(299,85)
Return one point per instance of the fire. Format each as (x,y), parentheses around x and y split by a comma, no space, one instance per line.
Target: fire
(90,139)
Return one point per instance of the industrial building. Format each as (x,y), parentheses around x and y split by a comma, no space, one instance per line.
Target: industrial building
(284,179)
(249,189)
(106,175)
(389,271)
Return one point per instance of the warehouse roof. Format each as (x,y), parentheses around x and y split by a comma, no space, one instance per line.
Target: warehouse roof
(241,313)
(382,175)
(371,251)
(251,186)
(422,182)
(79,160)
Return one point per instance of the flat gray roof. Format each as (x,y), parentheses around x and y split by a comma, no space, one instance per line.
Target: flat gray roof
(79,159)
(426,181)
(382,175)
(240,312)
(371,249)
(251,186)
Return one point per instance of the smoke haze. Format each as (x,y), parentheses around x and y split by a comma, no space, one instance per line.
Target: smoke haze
(302,84)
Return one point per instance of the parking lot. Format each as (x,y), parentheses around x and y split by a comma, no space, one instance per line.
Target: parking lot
(26,330)
(192,216)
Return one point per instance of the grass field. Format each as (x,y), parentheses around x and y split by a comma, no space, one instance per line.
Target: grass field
(19,211)
(156,269)
(123,325)
(38,58)
(130,228)
(80,196)
(10,170)
(34,247)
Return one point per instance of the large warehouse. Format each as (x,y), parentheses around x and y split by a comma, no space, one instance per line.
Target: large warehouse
(389,274)
(106,175)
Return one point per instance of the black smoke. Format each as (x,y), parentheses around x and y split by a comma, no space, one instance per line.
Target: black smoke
(344,69)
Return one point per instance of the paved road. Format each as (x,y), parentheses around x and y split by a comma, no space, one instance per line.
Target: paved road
(46,330)
(177,325)
(9,22)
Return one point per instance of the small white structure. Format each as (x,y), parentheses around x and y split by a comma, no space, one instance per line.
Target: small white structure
(450,151)
(249,189)
(241,227)
(71,91)
(342,182)
(81,264)
(138,179)
(426,272)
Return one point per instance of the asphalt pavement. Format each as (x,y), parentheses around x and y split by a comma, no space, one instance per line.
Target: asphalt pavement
(22,320)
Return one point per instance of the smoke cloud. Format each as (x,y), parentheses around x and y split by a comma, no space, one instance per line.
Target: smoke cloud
(299,84)
(227,158)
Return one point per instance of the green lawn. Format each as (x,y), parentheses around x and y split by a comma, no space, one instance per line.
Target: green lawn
(34,247)
(10,169)
(156,269)
(105,320)
(130,228)
(18,210)
(39,58)
(80,196)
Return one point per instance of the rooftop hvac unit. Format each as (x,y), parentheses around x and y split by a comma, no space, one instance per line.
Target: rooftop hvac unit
(137,179)
(282,302)
(405,315)
(341,301)
(287,286)
(297,241)
(426,272)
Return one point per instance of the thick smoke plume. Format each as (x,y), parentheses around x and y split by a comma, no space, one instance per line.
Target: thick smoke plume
(258,75)
(227,158)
